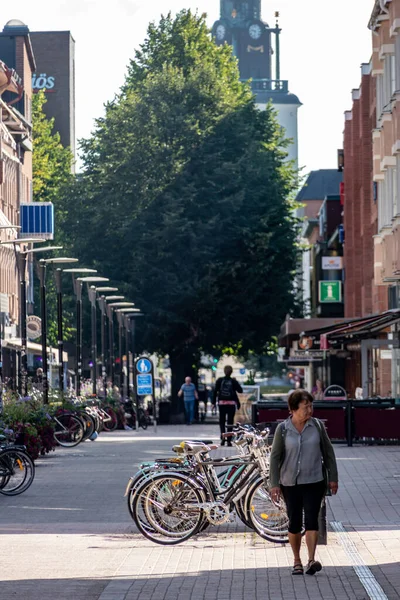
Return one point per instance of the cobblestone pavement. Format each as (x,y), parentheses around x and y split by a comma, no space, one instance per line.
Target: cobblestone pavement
(70,535)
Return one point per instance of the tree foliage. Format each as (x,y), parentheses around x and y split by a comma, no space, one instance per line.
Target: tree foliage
(185,200)
(51,161)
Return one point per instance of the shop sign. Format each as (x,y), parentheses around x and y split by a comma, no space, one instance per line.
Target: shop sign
(330,291)
(43,82)
(305,343)
(312,354)
(335,392)
(33,327)
(330,263)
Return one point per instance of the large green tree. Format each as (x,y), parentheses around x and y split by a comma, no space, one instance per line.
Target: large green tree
(185,199)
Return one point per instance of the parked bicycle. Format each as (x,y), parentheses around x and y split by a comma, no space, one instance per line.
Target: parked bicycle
(17,470)
(176,499)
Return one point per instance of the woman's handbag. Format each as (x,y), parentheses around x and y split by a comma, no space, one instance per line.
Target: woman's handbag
(325,471)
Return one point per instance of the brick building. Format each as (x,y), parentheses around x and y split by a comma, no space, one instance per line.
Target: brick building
(16,67)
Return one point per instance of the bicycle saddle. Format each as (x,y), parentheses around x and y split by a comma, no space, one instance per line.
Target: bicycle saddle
(198,447)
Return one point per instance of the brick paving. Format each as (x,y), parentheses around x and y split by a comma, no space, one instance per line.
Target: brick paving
(70,534)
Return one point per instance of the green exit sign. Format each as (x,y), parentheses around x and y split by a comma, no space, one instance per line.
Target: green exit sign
(330,291)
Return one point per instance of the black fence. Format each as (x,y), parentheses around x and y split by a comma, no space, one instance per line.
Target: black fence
(370,421)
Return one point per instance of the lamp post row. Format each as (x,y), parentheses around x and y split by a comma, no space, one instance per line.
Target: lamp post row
(107,310)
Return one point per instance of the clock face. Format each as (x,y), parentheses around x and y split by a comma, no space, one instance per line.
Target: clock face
(255,31)
(220,32)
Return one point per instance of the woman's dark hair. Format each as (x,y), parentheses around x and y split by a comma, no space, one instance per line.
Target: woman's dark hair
(228,370)
(298,396)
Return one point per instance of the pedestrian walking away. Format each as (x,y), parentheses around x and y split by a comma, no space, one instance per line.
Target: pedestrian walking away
(190,395)
(226,392)
(302,469)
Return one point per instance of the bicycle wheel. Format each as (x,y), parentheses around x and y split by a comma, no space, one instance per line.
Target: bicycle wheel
(89,425)
(113,424)
(165,509)
(269,520)
(69,431)
(17,471)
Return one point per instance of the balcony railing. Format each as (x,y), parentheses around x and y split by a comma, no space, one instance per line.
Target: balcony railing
(270,85)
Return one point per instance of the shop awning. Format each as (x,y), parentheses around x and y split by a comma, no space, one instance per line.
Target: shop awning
(357,328)
(32,348)
(292,328)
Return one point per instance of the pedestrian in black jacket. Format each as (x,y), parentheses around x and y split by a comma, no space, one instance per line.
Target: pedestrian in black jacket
(226,393)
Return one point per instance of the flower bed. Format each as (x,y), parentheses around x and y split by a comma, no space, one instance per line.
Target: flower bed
(30,423)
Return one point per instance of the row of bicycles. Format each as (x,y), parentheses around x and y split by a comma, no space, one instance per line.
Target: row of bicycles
(81,421)
(85,420)
(175,498)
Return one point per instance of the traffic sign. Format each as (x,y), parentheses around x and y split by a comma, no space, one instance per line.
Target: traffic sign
(144,365)
(144,379)
(144,376)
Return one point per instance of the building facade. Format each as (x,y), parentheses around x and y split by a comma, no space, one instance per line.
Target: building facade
(54,53)
(254,43)
(16,67)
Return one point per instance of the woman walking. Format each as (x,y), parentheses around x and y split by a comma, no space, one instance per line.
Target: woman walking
(302,469)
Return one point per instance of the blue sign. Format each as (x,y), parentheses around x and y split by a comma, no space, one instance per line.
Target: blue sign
(37,220)
(144,391)
(144,365)
(243,371)
(144,380)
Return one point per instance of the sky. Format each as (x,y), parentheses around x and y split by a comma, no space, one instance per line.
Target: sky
(323,44)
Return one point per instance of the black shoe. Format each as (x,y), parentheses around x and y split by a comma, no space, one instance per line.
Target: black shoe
(229,443)
(223,442)
(313,566)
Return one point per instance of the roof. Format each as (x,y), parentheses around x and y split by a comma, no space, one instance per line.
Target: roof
(319,184)
(276,97)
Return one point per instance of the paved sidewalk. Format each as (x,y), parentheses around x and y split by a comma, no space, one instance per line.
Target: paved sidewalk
(70,535)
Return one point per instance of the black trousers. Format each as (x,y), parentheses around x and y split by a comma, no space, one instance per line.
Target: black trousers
(307,497)
(226,411)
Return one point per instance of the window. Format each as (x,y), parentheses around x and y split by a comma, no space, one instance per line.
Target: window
(379,97)
(397,62)
(394,191)
(392,74)
(389,81)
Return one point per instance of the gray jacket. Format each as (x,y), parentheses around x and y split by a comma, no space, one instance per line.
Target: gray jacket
(278,454)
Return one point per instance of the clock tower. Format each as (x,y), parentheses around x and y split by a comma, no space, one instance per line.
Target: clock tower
(257,48)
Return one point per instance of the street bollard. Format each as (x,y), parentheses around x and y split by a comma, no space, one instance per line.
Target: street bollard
(322,525)
(155,425)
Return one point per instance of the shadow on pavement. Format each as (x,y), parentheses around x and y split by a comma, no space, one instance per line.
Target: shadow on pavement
(234,584)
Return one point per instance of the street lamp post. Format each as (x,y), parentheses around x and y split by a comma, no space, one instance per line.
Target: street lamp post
(22,261)
(42,277)
(92,297)
(60,331)
(60,335)
(103,329)
(130,314)
(110,315)
(77,286)
(118,305)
